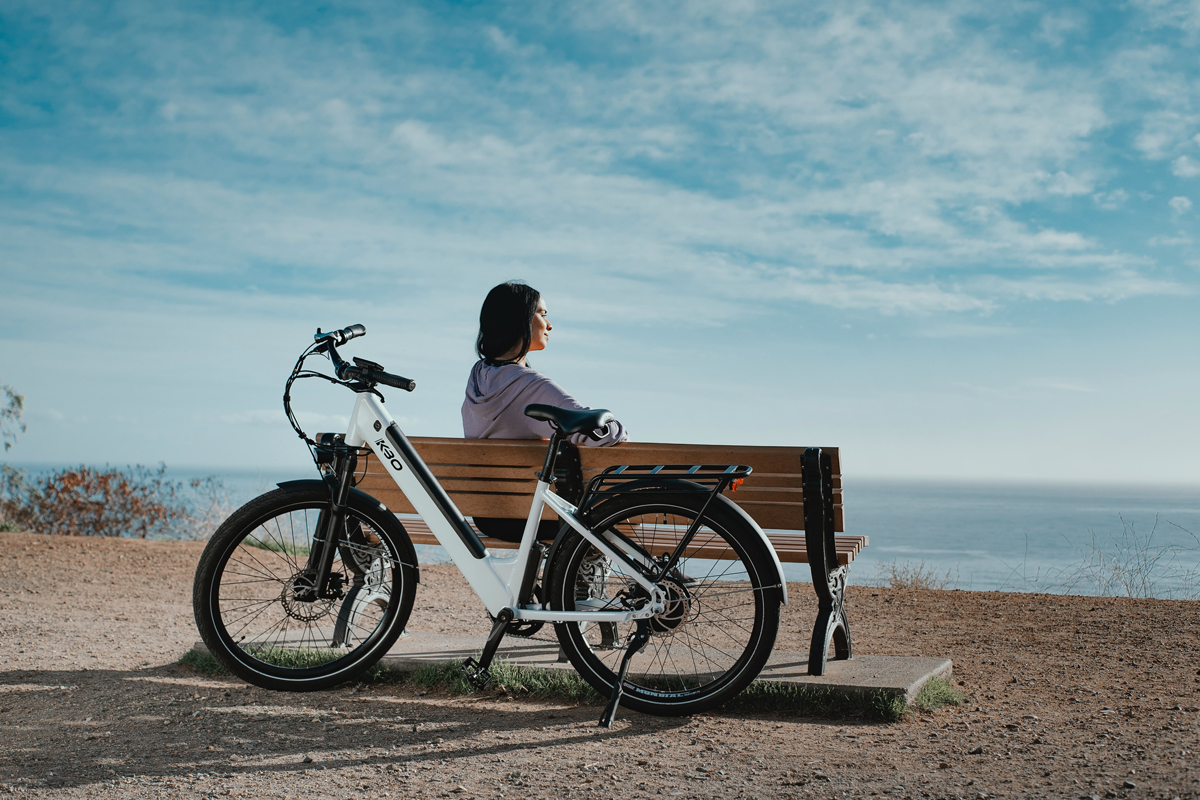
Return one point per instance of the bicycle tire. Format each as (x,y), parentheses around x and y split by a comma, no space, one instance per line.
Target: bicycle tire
(720,624)
(245,592)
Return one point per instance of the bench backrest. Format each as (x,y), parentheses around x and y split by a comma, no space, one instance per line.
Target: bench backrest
(495,477)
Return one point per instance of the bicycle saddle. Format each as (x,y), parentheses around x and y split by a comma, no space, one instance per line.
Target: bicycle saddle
(570,420)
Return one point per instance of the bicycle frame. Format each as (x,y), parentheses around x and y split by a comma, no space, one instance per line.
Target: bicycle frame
(496,580)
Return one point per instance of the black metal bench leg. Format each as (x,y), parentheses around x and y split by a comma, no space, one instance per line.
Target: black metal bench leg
(829,579)
(832,623)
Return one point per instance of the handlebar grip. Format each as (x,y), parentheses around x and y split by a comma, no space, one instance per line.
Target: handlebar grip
(394,380)
(342,336)
(350,373)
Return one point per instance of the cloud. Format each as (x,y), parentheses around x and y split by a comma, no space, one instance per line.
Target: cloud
(1182,14)
(1068,387)
(1067,185)
(1057,26)
(1162,131)
(1110,201)
(1185,167)
(1180,205)
(968,331)
(311,421)
(903,160)
(1182,240)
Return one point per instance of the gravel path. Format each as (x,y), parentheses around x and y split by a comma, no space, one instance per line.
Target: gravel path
(1070,697)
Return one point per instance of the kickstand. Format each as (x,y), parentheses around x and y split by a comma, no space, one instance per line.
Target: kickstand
(476,672)
(640,637)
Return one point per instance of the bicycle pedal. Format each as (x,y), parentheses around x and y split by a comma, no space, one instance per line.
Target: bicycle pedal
(476,676)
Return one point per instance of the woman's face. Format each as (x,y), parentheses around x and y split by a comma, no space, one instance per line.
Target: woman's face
(541,327)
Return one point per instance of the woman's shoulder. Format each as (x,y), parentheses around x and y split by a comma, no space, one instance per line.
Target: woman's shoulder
(488,379)
(509,370)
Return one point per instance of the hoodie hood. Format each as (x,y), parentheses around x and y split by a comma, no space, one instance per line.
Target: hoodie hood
(491,390)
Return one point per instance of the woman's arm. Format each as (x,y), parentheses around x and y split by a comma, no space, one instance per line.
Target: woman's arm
(548,392)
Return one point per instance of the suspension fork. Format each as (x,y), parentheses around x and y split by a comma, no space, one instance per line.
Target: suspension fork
(330,524)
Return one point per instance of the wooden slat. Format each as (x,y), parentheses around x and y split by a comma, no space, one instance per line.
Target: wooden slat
(494,477)
(789,545)
(499,452)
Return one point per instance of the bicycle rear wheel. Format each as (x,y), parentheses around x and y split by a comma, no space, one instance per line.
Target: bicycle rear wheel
(258,613)
(722,614)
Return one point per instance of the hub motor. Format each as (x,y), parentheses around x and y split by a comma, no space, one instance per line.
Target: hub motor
(679,605)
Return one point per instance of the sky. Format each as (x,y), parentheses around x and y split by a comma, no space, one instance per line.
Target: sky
(956,240)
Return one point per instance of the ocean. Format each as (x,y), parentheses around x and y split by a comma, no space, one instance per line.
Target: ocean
(1046,537)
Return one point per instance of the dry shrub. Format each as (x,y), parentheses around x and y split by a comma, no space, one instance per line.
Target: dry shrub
(10,416)
(135,501)
(15,515)
(1134,564)
(907,575)
(209,504)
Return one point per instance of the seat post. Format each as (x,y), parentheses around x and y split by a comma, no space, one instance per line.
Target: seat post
(547,473)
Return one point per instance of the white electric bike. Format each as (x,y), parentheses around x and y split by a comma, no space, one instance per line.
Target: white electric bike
(663,593)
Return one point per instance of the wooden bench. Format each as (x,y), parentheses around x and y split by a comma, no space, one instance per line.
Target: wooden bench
(794,494)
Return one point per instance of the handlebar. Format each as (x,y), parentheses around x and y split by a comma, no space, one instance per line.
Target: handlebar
(342,336)
(363,370)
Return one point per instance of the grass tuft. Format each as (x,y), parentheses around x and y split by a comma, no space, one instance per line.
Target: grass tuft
(818,701)
(508,678)
(295,658)
(936,693)
(202,662)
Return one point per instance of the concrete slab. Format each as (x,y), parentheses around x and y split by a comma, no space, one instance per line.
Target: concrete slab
(892,675)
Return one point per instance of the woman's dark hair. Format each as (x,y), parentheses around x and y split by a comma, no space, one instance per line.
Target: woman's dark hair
(506,321)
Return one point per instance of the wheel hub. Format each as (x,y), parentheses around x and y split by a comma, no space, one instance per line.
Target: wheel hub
(299,599)
(679,604)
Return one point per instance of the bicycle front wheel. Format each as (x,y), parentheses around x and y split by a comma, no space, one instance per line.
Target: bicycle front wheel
(259,614)
(723,604)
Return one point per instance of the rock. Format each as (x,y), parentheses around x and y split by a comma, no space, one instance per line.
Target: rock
(1129,785)
(975,751)
(943,765)
(308,759)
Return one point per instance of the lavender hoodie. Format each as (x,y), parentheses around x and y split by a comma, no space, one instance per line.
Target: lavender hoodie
(495,405)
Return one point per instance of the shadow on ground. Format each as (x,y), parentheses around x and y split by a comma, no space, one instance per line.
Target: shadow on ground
(77,727)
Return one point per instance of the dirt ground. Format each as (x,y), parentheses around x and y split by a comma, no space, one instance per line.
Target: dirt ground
(1069,697)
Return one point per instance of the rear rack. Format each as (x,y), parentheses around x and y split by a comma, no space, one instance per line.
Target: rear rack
(715,478)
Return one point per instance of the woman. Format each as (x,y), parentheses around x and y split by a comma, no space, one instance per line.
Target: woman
(512,324)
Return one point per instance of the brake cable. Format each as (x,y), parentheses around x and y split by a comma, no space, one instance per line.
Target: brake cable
(298,372)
